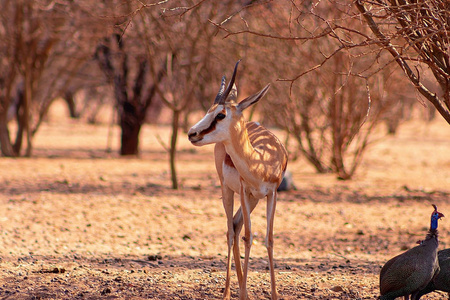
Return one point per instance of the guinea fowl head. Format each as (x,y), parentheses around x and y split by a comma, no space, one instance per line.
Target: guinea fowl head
(435,216)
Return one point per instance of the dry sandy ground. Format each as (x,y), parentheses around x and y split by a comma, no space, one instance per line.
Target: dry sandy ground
(79,223)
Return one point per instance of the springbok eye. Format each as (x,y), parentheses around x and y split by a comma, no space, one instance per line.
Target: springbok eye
(220,116)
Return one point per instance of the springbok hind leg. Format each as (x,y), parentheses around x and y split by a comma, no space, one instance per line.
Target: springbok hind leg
(271,206)
(248,238)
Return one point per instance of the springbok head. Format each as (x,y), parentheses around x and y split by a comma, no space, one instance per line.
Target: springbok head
(223,114)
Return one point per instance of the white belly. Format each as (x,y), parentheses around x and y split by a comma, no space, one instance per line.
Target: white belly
(232,180)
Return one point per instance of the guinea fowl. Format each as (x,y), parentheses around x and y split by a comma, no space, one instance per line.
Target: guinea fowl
(442,280)
(410,272)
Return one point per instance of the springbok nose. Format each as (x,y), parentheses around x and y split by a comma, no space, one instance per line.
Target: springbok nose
(192,135)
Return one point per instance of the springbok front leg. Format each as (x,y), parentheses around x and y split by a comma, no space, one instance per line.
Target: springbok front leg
(228,204)
(234,229)
(238,222)
(271,205)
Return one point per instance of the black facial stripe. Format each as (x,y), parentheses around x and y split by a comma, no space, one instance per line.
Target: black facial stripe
(211,128)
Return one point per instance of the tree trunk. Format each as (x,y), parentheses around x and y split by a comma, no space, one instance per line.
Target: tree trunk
(173,146)
(130,140)
(5,141)
(130,124)
(28,96)
(17,146)
(69,98)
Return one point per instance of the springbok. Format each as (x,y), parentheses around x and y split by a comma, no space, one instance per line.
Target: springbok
(251,162)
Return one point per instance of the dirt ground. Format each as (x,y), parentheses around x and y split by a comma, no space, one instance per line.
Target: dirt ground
(77,222)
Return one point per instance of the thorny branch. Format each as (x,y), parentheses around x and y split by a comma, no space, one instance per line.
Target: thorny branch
(423,26)
(412,33)
(325,33)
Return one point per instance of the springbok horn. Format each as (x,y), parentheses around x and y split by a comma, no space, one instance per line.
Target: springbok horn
(230,84)
(220,94)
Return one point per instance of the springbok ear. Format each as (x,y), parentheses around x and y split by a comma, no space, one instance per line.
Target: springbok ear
(232,96)
(253,99)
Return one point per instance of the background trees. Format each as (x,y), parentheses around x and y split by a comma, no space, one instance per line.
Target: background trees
(341,79)
(45,47)
(328,98)
(333,66)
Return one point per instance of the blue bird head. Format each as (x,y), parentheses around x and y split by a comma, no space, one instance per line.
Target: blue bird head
(435,216)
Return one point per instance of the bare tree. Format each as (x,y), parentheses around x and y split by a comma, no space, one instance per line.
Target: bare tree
(45,45)
(8,76)
(133,88)
(27,53)
(417,35)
